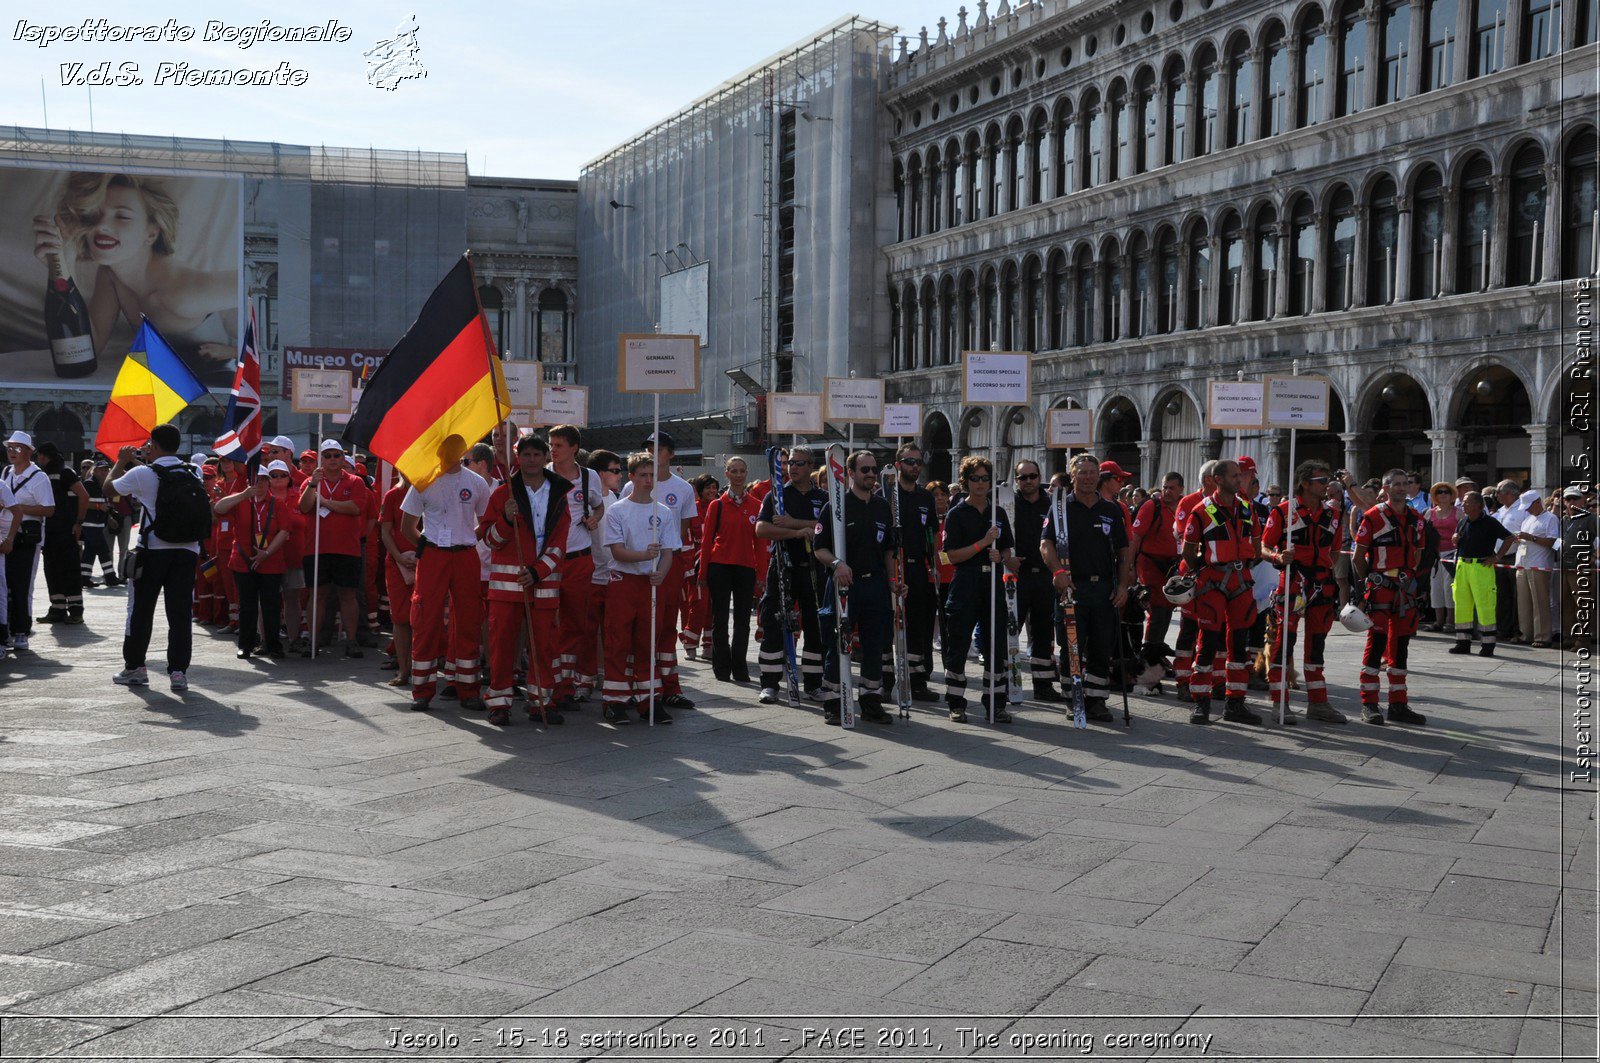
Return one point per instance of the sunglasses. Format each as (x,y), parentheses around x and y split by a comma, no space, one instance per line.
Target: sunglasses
(614,469)
(909,461)
(1027,476)
(798,464)
(868,470)
(278,476)
(977,479)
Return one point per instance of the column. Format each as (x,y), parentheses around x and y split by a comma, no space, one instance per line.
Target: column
(1355,455)
(1319,278)
(929,208)
(1274,452)
(1192,118)
(1447,242)
(1358,257)
(1445,453)
(1540,471)
(1149,461)
(935,336)
(1246,280)
(1180,315)
(1255,128)
(1416,49)
(1123,264)
(1330,77)
(1285,279)
(1497,235)
(1374,57)
(1291,104)
(1550,232)
(1163,105)
(1402,250)
(520,347)
(905,200)
(1511,53)
(1022,179)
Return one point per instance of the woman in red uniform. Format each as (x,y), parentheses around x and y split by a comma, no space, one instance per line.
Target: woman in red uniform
(731,558)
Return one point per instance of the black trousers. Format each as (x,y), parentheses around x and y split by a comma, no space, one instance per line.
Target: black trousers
(96,547)
(872,618)
(733,585)
(1505,611)
(19,587)
(263,591)
(168,575)
(804,592)
(921,609)
(62,574)
(966,614)
(1036,611)
(1099,629)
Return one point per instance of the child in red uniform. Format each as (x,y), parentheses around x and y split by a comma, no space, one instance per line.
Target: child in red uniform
(256,558)
(643,536)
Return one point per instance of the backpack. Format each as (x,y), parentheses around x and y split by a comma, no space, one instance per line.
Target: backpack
(183,509)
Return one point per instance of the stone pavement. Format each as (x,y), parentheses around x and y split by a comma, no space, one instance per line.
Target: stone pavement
(272,864)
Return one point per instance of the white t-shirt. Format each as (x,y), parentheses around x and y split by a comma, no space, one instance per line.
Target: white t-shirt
(1533,555)
(450,507)
(140,484)
(602,552)
(588,487)
(30,487)
(677,495)
(6,516)
(629,525)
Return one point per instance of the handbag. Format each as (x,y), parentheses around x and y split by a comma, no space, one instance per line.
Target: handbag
(131,567)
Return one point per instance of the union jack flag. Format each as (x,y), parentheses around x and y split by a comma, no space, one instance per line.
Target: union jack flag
(241,428)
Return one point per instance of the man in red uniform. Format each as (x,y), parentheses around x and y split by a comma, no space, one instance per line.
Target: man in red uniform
(1302,538)
(281,448)
(336,502)
(526,528)
(1388,552)
(1221,542)
(1188,630)
(1155,552)
(231,480)
(575,641)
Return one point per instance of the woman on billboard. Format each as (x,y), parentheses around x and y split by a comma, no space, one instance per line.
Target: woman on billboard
(127,225)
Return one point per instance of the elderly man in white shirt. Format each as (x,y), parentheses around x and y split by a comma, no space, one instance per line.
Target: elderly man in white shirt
(1510,511)
(1536,559)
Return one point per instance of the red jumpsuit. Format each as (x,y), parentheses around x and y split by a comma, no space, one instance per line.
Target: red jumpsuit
(1188,630)
(1223,607)
(579,622)
(1394,552)
(516,548)
(1314,534)
(696,602)
(1155,560)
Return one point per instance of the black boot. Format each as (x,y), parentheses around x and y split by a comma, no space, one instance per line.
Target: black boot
(1235,712)
(1202,712)
(1044,690)
(1461,647)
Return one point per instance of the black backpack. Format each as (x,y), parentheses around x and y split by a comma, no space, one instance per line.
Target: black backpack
(183,509)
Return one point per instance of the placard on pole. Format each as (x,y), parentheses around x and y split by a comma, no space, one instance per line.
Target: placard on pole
(1067,427)
(797,413)
(847,400)
(1234,405)
(561,404)
(321,391)
(900,419)
(658,364)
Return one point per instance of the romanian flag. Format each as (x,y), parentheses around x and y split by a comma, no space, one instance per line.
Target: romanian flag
(441,388)
(153,386)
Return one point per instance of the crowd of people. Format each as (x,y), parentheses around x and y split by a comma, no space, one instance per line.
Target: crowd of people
(530,569)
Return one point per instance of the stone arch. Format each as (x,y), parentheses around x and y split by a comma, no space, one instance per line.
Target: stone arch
(62,426)
(1177,425)
(1490,405)
(1393,418)
(1118,430)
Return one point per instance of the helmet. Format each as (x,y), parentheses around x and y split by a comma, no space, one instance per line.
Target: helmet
(1179,590)
(1354,619)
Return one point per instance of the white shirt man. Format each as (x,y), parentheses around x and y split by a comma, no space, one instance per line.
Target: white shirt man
(629,526)
(1544,525)
(450,507)
(140,484)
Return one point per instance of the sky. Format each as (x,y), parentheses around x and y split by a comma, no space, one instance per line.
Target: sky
(529,89)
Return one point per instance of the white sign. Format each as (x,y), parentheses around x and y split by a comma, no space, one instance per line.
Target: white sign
(901,419)
(996,378)
(1297,402)
(562,404)
(522,383)
(1067,428)
(321,391)
(849,400)
(1233,404)
(355,404)
(794,413)
(658,364)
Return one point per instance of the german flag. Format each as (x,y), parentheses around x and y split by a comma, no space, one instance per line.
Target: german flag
(441,388)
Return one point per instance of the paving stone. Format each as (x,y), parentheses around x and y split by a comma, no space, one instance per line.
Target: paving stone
(24,930)
(1285,839)
(1065,852)
(1080,906)
(501,875)
(1218,914)
(520,915)
(1245,1037)
(914,931)
(390,904)
(127,903)
(810,966)
(1382,867)
(1106,939)
(131,944)
(1541,969)
(1478,932)
(396,990)
(993,977)
(1136,880)
(1354,959)
(1246,993)
(1480,1012)
(31,1036)
(170,981)
(371,939)
(1527,903)
(25,978)
(572,951)
(230,1026)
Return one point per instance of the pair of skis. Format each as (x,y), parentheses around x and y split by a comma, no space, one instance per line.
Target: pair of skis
(837,492)
(1069,614)
(902,662)
(786,600)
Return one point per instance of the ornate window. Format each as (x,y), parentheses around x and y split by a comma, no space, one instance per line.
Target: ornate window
(1303,247)
(1194,316)
(1340,274)
(1176,116)
(1167,281)
(1541,29)
(1441,36)
(1580,214)
(1525,246)
(1474,220)
(1206,88)
(1488,38)
(1265,279)
(1230,304)
(1241,75)
(1149,120)
(1352,60)
(1427,235)
(1276,117)
(1396,18)
(1383,243)
(1311,97)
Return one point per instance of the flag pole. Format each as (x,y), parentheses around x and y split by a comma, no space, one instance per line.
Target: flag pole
(316,547)
(1288,574)
(655,524)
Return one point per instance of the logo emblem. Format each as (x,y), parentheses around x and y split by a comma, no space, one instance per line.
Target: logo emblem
(466,494)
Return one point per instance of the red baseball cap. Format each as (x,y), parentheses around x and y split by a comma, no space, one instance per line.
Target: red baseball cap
(208,471)
(304,454)
(361,468)
(1115,470)
(1247,463)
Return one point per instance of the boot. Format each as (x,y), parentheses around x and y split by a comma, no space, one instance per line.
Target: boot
(1202,711)
(1235,712)
(1403,714)
(1486,650)
(1321,710)
(1044,690)
(1461,647)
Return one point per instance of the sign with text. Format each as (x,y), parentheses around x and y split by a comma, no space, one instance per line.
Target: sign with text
(562,404)
(901,419)
(1297,402)
(352,361)
(658,364)
(355,404)
(1067,428)
(794,413)
(522,383)
(321,391)
(849,400)
(996,378)
(1235,404)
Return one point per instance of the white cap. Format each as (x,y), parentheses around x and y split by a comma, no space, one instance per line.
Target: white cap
(1529,498)
(330,444)
(279,466)
(197,459)
(21,438)
(283,441)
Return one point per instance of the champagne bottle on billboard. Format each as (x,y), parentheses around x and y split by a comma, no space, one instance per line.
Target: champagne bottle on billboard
(66,320)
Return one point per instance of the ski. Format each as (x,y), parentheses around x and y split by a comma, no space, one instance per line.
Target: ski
(1069,615)
(791,661)
(902,663)
(1013,641)
(838,491)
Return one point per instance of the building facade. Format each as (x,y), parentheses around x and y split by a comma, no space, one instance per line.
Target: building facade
(341,249)
(1398,196)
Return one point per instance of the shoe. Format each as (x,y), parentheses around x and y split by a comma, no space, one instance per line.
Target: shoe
(449,692)
(352,648)
(1046,693)
(830,717)
(812,694)
(768,696)
(1372,715)
(1153,690)
(232,628)
(1256,682)
(500,717)
(1000,716)
(723,677)
(614,712)
(1095,709)
(1235,712)
(1201,713)
(421,704)
(741,677)
(673,701)
(132,677)
(1403,714)
(551,717)
(77,618)
(875,714)
(180,682)
(958,715)
(19,643)
(690,653)
(245,655)
(1460,648)
(389,665)
(399,681)
(1324,712)
(662,715)
(1290,717)
(473,704)
(921,692)
(275,651)
(52,617)
(1485,651)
